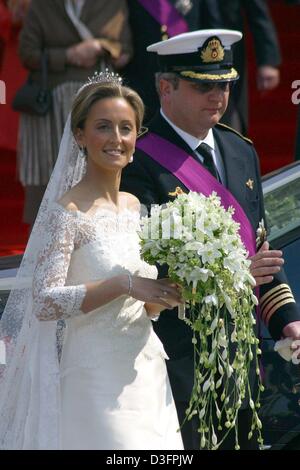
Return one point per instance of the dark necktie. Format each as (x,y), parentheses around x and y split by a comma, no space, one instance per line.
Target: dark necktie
(208,161)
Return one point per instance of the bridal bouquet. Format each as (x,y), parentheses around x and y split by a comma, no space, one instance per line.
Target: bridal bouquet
(199,241)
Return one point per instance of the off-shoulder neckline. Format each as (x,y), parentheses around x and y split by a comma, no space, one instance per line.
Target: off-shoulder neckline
(100,210)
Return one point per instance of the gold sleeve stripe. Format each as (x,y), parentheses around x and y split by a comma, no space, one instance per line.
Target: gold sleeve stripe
(275,301)
(284,290)
(279,296)
(272,291)
(277,306)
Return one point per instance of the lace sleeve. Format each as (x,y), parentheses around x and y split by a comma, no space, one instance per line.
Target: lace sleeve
(52,300)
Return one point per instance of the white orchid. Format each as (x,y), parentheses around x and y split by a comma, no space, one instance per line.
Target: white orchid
(211,299)
(209,252)
(199,274)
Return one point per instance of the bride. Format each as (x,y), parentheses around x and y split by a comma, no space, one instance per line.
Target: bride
(85,369)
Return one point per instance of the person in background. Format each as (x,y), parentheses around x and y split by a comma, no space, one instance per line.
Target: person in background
(5,26)
(18,10)
(88,35)
(152,22)
(194,82)
(237,15)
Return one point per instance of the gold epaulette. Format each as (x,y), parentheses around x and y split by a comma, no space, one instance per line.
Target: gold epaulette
(274,299)
(142,132)
(235,132)
(177,192)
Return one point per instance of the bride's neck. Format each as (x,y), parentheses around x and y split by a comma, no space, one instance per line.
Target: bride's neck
(101,184)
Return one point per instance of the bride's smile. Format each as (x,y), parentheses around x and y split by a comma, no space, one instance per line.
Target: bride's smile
(109,134)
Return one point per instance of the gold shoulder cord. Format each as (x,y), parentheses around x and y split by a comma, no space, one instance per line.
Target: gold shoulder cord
(235,132)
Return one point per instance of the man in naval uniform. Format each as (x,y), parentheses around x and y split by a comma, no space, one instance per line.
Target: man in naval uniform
(186,147)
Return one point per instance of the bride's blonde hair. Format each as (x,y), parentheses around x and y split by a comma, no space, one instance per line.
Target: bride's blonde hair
(94,92)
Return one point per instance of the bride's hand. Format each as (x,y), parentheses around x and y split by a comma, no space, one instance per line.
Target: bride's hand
(156,291)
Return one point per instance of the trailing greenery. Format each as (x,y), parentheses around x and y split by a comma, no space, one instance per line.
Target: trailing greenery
(199,241)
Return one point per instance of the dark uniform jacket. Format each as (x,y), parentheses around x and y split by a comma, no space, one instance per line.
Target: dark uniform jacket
(151,183)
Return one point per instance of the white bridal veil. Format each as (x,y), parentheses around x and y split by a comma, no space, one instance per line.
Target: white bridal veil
(29,381)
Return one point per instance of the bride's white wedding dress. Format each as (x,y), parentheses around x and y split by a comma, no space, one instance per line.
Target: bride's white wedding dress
(115,393)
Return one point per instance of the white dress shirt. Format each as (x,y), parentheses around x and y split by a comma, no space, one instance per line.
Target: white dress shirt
(194,142)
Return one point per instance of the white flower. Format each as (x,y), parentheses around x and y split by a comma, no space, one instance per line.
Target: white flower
(206,385)
(233,336)
(222,341)
(254,298)
(232,262)
(229,370)
(211,299)
(228,303)
(198,274)
(214,324)
(209,252)
(211,357)
(224,354)
(219,383)
(193,245)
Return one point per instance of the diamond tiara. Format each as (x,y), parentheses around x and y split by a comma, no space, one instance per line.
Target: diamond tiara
(103,77)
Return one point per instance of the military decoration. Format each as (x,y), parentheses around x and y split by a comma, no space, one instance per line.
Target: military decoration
(213,52)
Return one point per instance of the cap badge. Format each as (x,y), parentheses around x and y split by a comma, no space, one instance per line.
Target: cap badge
(213,52)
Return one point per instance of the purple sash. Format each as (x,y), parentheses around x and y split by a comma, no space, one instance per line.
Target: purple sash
(166,14)
(196,178)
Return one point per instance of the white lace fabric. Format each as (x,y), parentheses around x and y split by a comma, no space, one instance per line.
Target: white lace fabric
(52,300)
(69,232)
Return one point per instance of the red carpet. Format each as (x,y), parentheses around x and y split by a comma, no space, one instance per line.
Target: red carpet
(273,115)
(272,123)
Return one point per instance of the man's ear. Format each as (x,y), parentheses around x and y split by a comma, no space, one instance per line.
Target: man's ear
(165,87)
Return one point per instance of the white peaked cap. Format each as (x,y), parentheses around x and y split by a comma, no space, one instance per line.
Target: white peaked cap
(204,55)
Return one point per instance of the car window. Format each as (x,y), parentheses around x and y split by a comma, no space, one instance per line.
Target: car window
(282,202)
(291,254)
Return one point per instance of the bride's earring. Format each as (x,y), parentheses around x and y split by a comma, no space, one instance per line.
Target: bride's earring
(131,159)
(82,152)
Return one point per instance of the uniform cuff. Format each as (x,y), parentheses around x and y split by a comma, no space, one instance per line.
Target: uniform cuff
(283,316)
